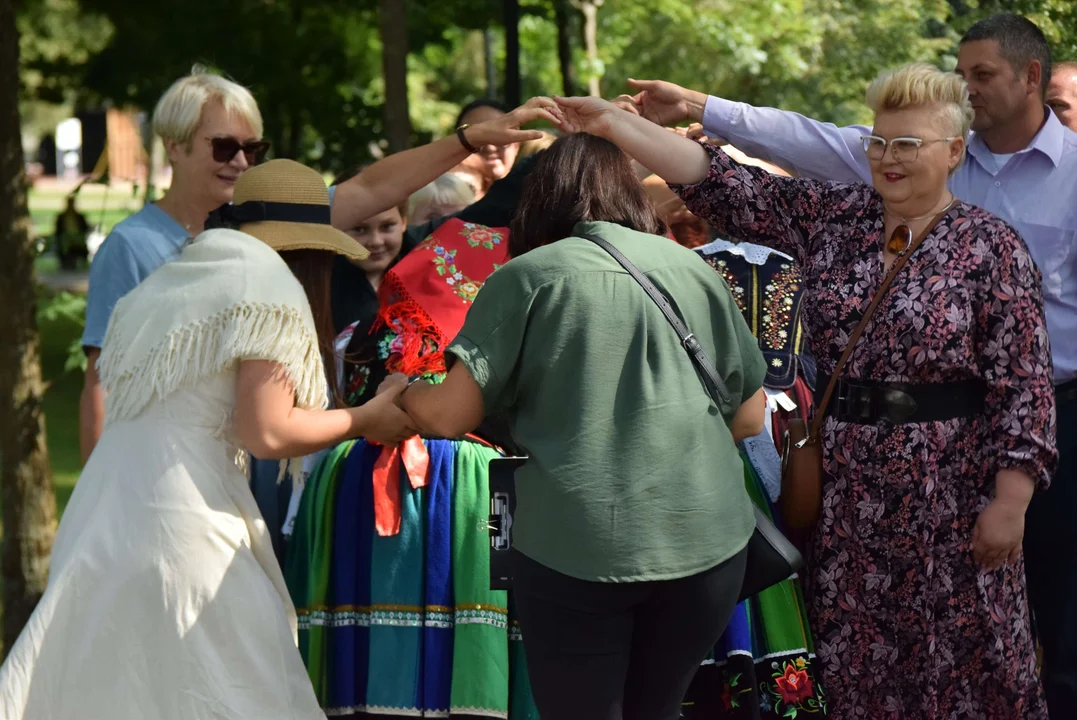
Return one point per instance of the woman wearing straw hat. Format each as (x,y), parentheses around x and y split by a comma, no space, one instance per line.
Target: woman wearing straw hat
(164,597)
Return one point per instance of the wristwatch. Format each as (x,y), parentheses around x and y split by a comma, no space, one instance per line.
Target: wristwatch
(463,139)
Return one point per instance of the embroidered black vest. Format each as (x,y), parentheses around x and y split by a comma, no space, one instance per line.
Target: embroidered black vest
(769,295)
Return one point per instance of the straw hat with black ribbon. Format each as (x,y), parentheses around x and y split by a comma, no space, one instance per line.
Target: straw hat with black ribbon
(285,205)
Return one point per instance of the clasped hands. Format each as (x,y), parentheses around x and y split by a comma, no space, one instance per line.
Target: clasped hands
(661,102)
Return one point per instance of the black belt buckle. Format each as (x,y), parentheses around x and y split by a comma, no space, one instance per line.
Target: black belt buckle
(897,405)
(867,404)
(856,403)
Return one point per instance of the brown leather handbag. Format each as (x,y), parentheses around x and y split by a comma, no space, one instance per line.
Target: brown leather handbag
(802,453)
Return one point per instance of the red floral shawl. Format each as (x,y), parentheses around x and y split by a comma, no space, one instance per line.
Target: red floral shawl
(425,297)
(424,300)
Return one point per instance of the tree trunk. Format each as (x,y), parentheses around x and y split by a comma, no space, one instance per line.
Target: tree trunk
(150,193)
(276,129)
(394,66)
(488,61)
(564,46)
(295,131)
(512,52)
(589,8)
(29,512)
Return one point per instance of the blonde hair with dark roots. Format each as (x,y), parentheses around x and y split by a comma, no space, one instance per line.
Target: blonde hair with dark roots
(179,111)
(923,85)
(447,189)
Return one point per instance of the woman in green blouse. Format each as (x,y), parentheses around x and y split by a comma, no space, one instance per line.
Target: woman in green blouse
(632,516)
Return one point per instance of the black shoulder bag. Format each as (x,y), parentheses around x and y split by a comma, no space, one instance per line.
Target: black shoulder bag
(771,557)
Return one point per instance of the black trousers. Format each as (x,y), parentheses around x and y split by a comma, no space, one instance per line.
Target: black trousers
(607,651)
(1051,566)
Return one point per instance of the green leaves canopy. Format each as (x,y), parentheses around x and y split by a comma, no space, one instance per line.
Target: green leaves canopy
(315,65)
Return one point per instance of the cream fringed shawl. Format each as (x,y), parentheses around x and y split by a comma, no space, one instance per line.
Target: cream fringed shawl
(228,297)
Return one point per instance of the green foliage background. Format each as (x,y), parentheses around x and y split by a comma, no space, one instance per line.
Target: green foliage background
(315,65)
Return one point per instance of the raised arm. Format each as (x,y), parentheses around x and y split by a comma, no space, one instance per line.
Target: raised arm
(813,149)
(388,183)
(740,201)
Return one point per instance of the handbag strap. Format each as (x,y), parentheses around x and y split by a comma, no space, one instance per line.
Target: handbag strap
(713,381)
(899,262)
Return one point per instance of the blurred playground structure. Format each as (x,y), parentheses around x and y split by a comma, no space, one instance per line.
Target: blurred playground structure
(86,176)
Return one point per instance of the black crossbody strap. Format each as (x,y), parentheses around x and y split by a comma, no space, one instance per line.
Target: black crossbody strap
(715,386)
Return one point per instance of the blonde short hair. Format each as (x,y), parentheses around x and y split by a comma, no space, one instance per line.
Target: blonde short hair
(179,110)
(919,85)
(530,147)
(449,189)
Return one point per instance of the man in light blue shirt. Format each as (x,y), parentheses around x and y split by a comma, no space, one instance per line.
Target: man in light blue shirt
(212,130)
(1022,166)
(1026,175)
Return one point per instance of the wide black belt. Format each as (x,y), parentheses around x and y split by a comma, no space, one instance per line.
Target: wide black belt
(867,403)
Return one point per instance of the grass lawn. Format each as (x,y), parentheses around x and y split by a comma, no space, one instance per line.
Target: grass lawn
(61,406)
(100,205)
(62,396)
(100,208)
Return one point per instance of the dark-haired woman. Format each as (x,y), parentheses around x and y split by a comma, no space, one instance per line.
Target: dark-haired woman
(498,158)
(632,516)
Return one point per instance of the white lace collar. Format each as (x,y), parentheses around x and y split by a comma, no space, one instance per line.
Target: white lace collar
(755,254)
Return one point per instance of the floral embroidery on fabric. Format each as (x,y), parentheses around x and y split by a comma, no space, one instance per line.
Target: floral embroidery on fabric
(731,279)
(357,385)
(363,378)
(791,690)
(429,243)
(769,294)
(391,343)
(445,266)
(419,304)
(481,236)
(778,301)
(783,686)
(733,692)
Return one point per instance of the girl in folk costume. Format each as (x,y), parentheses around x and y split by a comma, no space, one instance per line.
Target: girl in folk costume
(164,597)
(385,600)
(387,564)
(764,667)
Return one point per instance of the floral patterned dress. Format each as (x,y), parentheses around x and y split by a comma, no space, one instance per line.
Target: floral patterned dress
(906,625)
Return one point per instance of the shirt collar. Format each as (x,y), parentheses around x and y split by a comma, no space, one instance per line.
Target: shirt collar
(1050,141)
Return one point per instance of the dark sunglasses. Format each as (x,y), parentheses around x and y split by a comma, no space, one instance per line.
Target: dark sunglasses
(225,148)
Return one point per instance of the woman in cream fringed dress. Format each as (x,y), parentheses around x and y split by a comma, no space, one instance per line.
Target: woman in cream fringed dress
(164,598)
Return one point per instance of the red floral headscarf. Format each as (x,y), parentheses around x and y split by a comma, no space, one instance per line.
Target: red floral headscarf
(426,296)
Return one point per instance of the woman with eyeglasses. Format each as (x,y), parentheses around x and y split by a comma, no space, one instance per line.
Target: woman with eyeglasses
(945,423)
